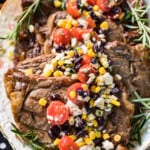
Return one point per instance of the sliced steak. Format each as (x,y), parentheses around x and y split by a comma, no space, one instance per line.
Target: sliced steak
(24,93)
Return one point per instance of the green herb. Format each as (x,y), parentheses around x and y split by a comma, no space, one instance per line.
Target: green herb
(138,121)
(140,22)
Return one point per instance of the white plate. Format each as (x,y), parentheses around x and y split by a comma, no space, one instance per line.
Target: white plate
(5,110)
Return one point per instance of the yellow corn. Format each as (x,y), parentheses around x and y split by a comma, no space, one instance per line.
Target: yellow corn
(71,53)
(56,142)
(95,8)
(72,94)
(57,73)
(91,53)
(42,102)
(75,23)
(85,87)
(95,123)
(60,62)
(117,138)
(106,136)
(48,73)
(62,23)
(80,144)
(115,102)
(85,13)
(91,103)
(93,88)
(79,51)
(73,137)
(104,25)
(84,116)
(97,90)
(102,71)
(88,140)
(54,62)
(89,129)
(57,3)
(92,135)
(69,24)
(89,45)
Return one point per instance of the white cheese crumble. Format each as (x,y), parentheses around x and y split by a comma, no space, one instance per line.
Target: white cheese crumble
(107,145)
(83,22)
(87,147)
(108,79)
(73,42)
(99,103)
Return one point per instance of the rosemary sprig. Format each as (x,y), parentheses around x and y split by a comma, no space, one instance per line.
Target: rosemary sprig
(137,17)
(138,121)
(25,18)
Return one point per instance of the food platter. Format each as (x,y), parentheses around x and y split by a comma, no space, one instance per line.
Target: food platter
(5,110)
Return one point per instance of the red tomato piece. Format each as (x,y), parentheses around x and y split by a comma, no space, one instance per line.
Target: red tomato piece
(57,113)
(78,32)
(67,143)
(61,36)
(86,59)
(91,22)
(84,71)
(91,2)
(72,9)
(103,5)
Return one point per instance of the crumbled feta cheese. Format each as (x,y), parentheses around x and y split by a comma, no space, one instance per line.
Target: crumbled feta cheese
(74,76)
(83,22)
(84,49)
(99,103)
(107,145)
(91,117)
(59,56)
(85,70)
(86,36)
(118,76)
(87,147)
(100,80)
(74,109)
(108,79)
(48,67)
(73,42)
(91,78)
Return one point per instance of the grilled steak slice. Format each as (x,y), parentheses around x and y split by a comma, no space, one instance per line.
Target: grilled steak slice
(24,93)
(132,64)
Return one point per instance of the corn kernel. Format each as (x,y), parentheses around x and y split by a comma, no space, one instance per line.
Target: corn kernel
(98,134)
(95,123)
(85,13)
(42,102)
(91,103)
(95,8)
(57,73)
(28,71)
(88,141)
(92,135)
(115,102)
(72,94)
(69,24)
(54,62)
(117,138)
(97,90)
(85,87)
(56,142)
(73,137)
(57,3)
(84,116)
(91,53)
(104,25)
(48,73)
(79,51)
(62,23)
(80,144)
(60,62)
(71,120)
(106,136)
(89,45)
(102,71)
(75,23)
(93,87)
(89,129)
(121,16)
(71,53)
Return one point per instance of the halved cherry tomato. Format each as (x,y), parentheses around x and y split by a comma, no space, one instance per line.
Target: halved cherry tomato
(74,87)
(86,59)
(72,9)
(78,32)
(91,2)
(91,22)
(61,36)
(67,143)
(103,5)
(84,71)
(57,113)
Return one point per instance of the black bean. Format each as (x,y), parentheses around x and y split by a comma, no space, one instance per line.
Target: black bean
(98,48)
(89,8)
(53,132)
(94,60)
(101,121)
(77,60)
(81,133)
(116,10)
(98,19)
(82,93)
(78,2)
(77,67)
(55,96)
(59,48)
(88,108)
(66,127)
(97,141)
(60,68)
(115,90)
(79,123)
(94,96)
